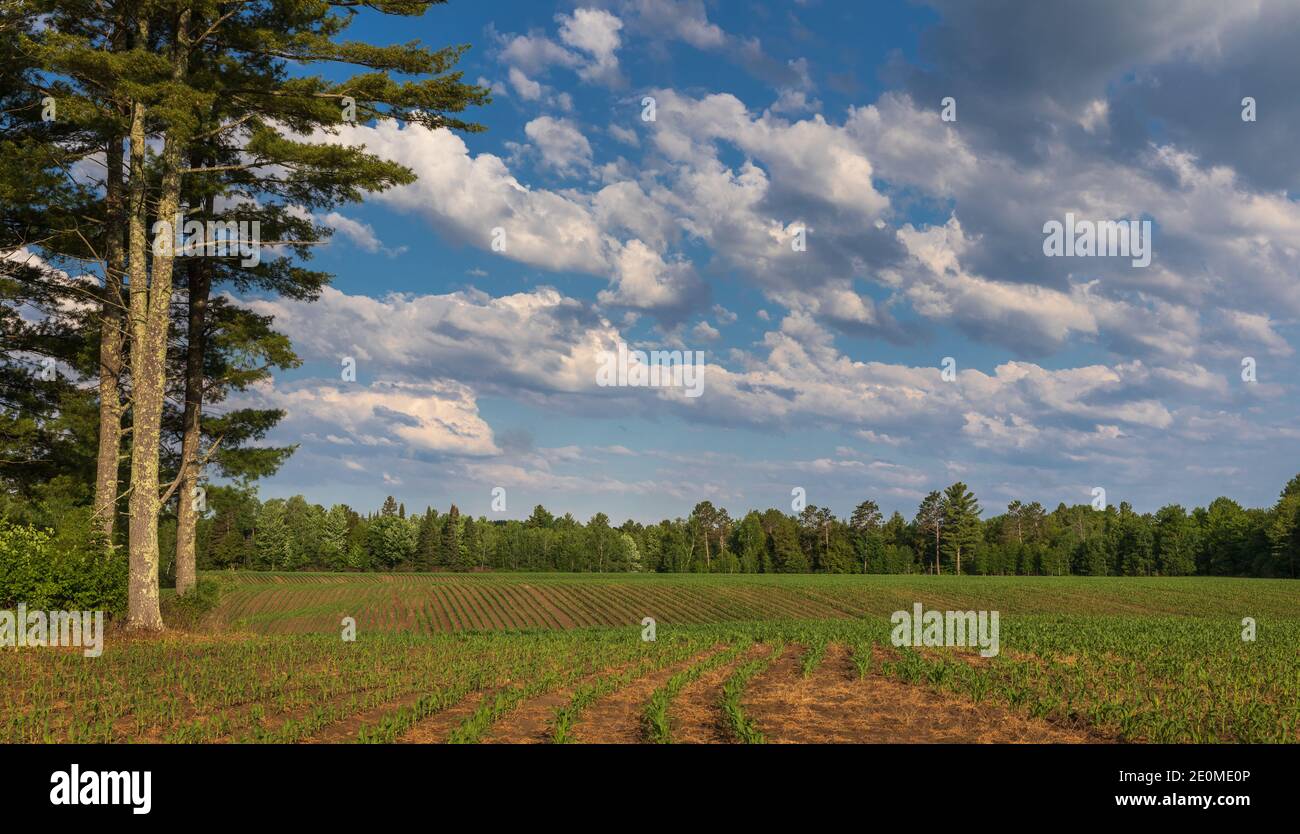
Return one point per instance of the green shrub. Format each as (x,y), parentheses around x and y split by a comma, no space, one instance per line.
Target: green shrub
(68,570)
(187,612)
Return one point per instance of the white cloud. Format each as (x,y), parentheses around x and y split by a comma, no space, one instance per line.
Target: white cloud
(525,87)
(562,146)
(705,332)
(439,416)
(361,234)
(645,281)
(596,32)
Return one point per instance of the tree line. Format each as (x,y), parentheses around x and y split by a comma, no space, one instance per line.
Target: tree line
(119,118)
(947,535)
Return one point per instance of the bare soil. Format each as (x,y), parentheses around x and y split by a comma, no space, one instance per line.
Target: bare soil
(695,716)
(834,706)
(616,718)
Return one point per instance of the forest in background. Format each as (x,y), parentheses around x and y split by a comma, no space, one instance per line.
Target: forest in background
(947,535)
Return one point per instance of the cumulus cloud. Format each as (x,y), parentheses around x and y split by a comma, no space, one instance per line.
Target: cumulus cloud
(440,416)
(595,32)
(922,233)
(563,148)
(588,44)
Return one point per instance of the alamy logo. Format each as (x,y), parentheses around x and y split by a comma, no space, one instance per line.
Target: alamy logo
(53,628)
(109,787)
(213,239)
(946,628)
(655,369)
(1099,239)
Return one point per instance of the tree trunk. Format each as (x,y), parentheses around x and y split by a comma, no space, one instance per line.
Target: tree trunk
(937,570)
(200,283)
(147,371)
(110,350)
(200,286)
(150,319)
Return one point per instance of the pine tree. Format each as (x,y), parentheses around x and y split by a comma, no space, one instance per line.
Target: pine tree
(470,544)
(929,525)
(866,518)
(426,548)
(705,519)
(961,522)
(207,87)
(449,552)
(865,524)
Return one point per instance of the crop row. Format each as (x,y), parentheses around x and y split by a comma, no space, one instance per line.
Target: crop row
(1164,679)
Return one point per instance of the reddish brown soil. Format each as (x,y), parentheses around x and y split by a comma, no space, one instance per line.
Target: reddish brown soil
(530,722)
(694,716)
(616,718)
(834,705)
(437,727)
(346,730)
(546,603)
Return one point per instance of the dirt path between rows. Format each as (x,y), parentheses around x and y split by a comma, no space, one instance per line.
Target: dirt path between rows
(616,718)
(530,722)
(834,706)
(694,716)
(437,727)
(345,730)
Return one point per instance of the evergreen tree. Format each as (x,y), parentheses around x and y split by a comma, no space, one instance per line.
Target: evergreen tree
(427,542)
(541,518)
(865,524)
(470,544)
(1223,536)
(203,96)
(866,518)
(961,523)
(449,552)
(929,524)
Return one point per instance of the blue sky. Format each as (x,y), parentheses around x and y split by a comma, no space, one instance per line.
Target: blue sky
(476,368)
